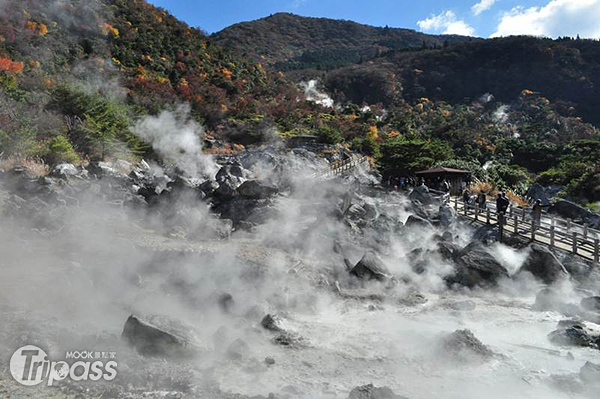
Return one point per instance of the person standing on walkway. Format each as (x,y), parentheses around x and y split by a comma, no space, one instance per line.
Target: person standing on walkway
(536,212)
(481,199)
(502,204)
(466,197)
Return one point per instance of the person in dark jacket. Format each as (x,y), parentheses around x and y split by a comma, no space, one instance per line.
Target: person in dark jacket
(481,199)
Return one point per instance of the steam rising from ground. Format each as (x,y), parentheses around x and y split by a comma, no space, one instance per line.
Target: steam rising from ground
(312,93)
(177,138)
(107,262)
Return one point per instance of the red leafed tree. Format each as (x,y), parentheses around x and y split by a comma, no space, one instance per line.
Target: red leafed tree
(6,64)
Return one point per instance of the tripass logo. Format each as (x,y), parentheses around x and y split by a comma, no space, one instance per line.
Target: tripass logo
(30,366)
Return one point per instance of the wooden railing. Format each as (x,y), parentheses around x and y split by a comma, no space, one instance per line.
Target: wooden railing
(554,232)
(340,167)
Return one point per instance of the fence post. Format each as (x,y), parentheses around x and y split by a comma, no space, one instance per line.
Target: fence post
(510,211)
(585,231)
(552,236)
(569,224)
(516,220)
(596,250)
(552,221)
(532,230)
(466,209)
(523,213)
(487,216)
(574,242)
(456,204)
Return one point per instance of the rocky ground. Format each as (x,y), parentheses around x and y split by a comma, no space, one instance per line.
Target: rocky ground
(265,281)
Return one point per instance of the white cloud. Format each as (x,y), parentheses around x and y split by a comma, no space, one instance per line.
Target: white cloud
(298,3)
(557,18)
(446,23)
(482,6)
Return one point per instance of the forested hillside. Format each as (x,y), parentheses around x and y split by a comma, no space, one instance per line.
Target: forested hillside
(76,76)
(290,42)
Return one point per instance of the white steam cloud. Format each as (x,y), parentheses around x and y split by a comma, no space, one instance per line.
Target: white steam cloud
(312,93)
(177,138)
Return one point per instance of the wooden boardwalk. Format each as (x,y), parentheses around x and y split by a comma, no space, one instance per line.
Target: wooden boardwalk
(556,233)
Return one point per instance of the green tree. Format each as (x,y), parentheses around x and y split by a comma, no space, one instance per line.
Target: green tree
(402,157)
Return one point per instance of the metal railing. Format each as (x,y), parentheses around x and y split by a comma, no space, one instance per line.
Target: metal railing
(552,231)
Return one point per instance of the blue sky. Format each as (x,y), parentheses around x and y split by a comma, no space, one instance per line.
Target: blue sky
(471,17)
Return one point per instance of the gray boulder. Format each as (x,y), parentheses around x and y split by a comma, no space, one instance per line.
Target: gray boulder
(464,347)
(372,392)
(149,340)
(370,267)
(575,335)
(414,220)
(544,265)
(579,214)
(226,189)
(65,170)
(537,191)
(475,266)
(272,322)
(422,195)
(446,215)
(486,234)
(256,189)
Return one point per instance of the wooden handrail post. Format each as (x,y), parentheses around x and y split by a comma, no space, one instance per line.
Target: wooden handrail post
(585,231)
(532,230)
(510,211)
(596,250)
(552,236)
(501,227)
(523,213)
(569,224)
(456,204)
(516,221)
(487,216)
(574,242)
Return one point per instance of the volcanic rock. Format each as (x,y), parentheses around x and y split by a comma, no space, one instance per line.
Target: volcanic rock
(370,267)
(422,195)
(272,323)
(414,220)
(476,266)
(446,215)
(372,392)
(575,335)
(544,265)
(463,346)
(149,340)
(256,189)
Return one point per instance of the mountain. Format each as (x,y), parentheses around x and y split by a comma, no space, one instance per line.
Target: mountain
(565,71)
(292,42)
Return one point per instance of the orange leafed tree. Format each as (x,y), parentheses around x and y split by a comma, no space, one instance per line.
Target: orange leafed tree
(8,65)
